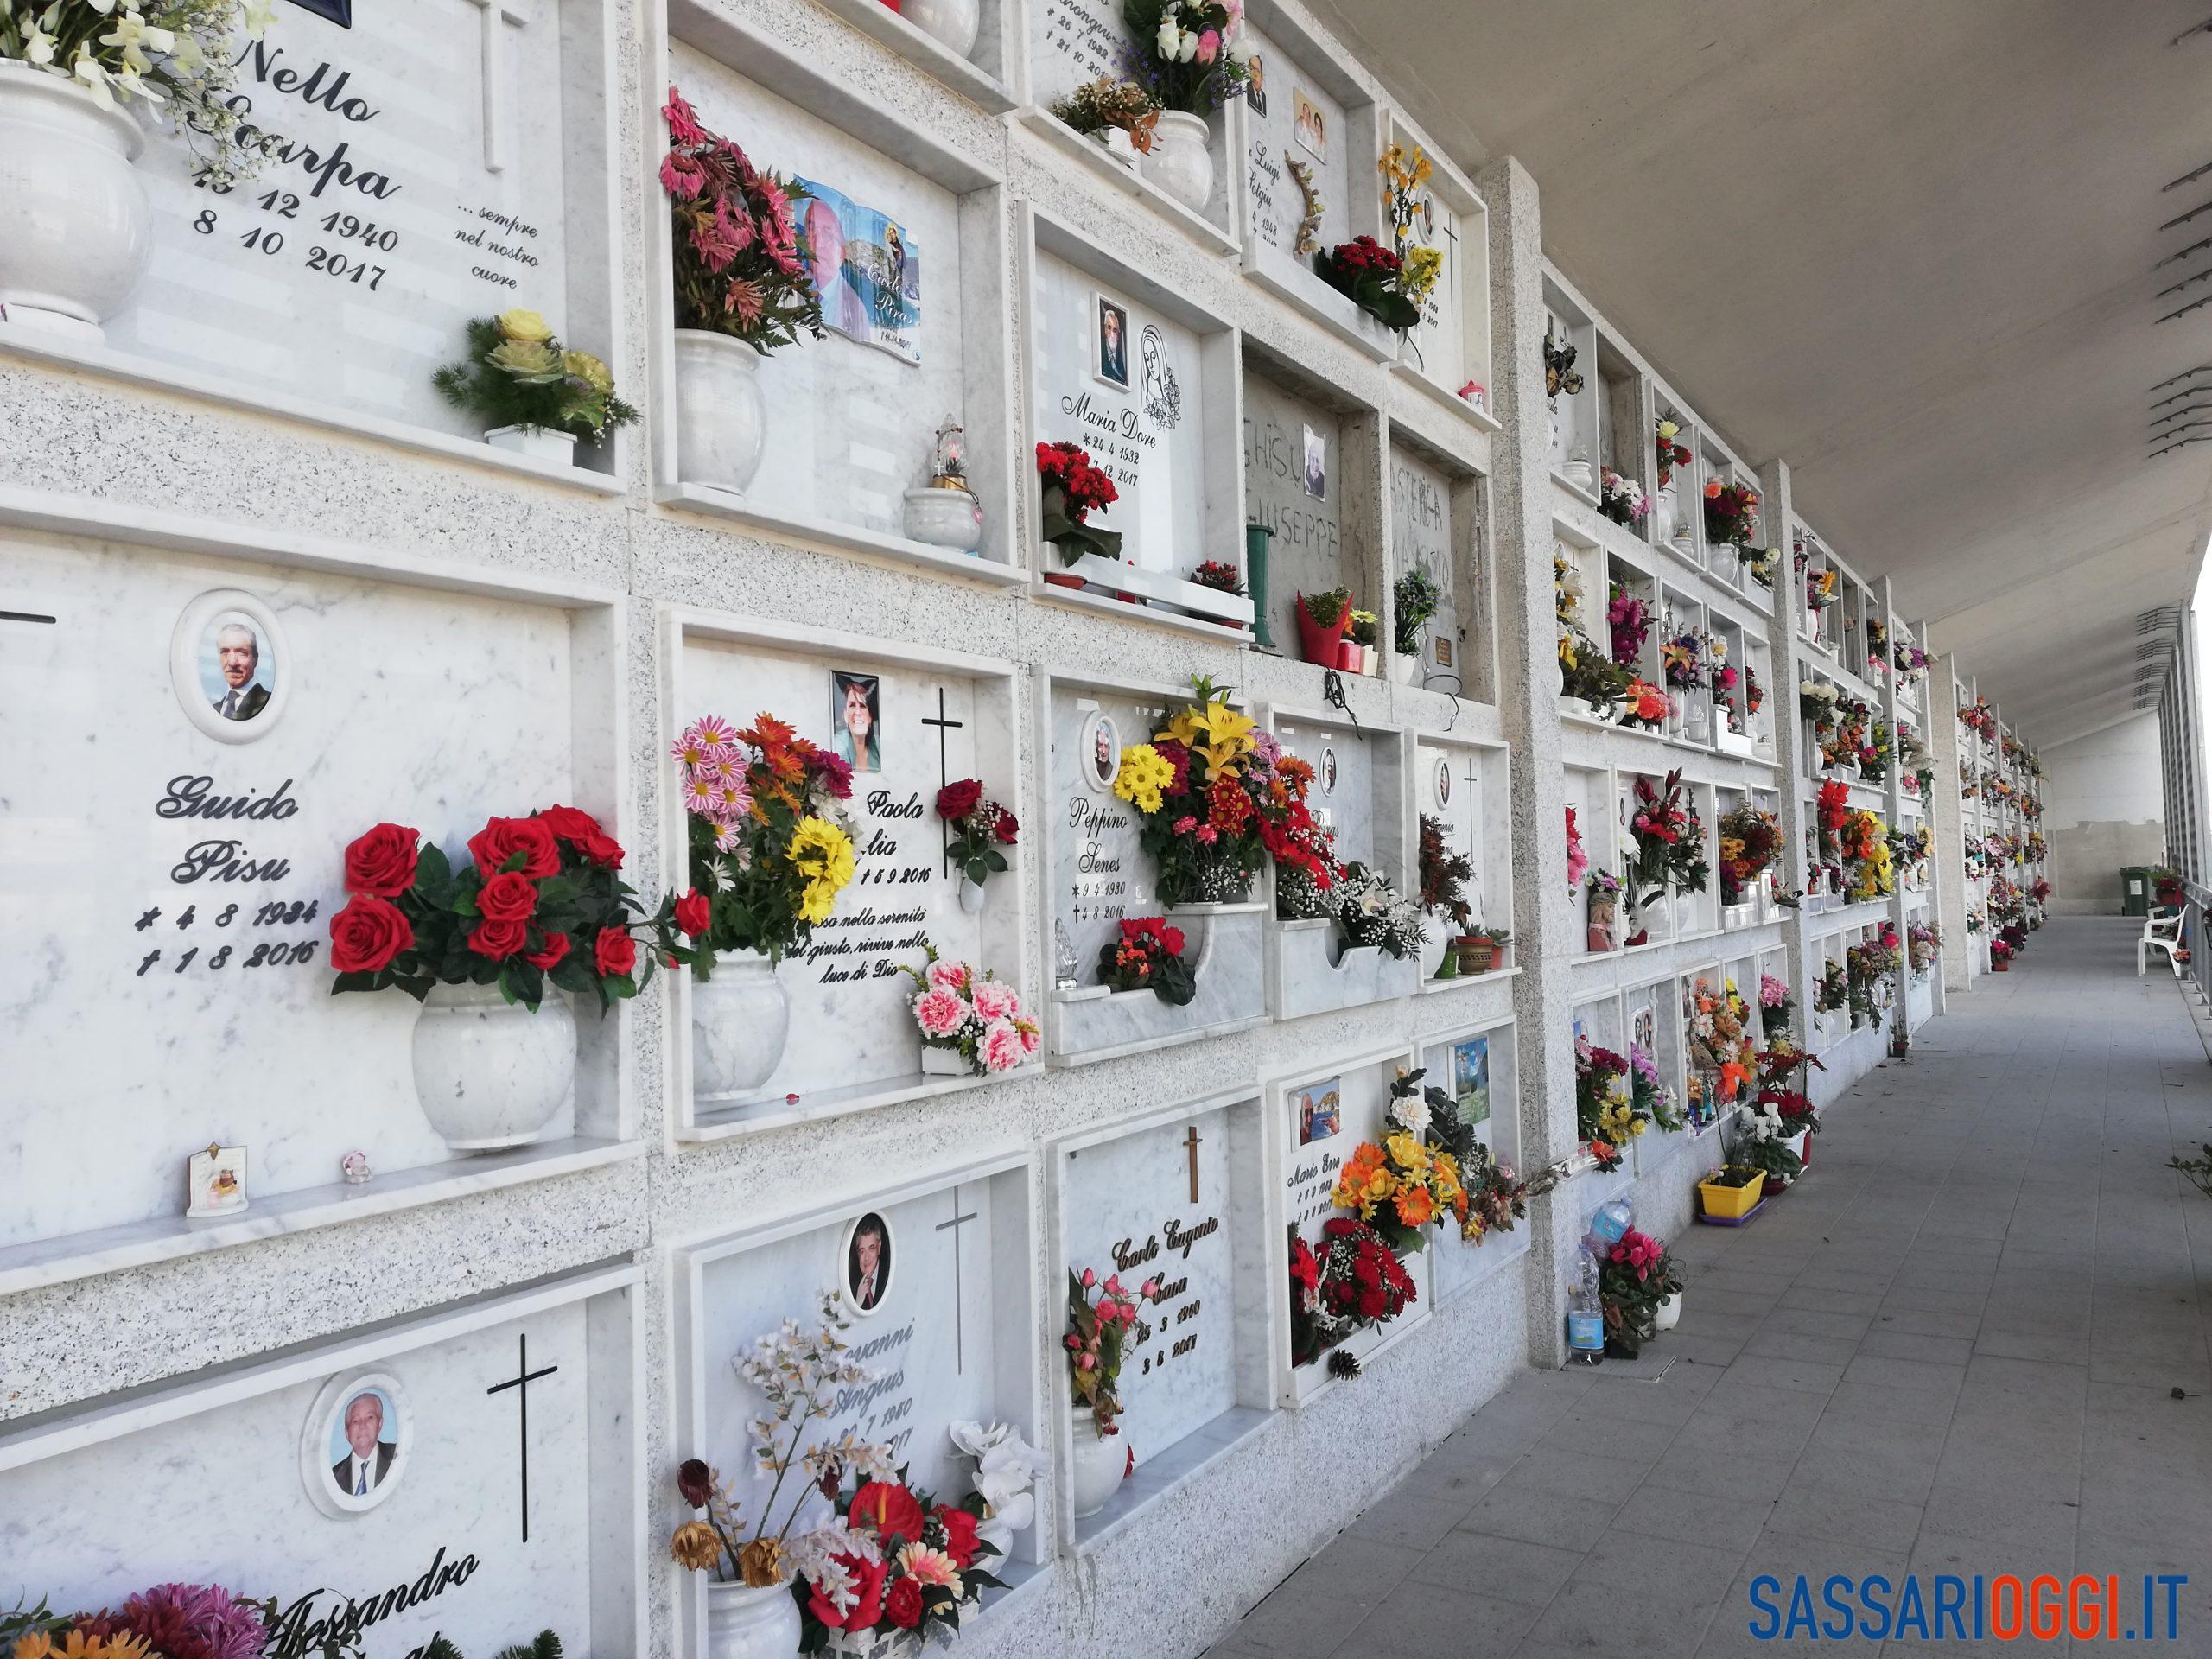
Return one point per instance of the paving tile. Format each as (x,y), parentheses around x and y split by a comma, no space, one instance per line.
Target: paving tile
(1671,1512)
(1420,1617)
(1889,1343)
(1905,1373)
(1630,1598)
(1407,1520)
(1509,1567)
(1540,1514)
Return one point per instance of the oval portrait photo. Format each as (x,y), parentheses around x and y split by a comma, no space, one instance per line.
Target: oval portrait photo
(229,665)
(869,1263)
(1100,757)
(354,1454)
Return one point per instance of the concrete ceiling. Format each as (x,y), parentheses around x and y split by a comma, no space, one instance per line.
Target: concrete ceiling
(1909,248)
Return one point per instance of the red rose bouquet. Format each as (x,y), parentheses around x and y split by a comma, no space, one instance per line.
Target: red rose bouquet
(1074,487)
(539,903)
(1148,957)
(1352,1283)
(738,266)
(980,827)
(1670,451)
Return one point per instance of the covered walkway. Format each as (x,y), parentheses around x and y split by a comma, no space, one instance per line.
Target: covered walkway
(1953,1348)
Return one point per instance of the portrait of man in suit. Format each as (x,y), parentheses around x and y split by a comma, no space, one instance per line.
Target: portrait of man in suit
(237,661)
(368,1455)
(868,1263)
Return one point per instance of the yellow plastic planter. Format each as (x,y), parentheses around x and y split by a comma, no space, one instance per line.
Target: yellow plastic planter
(1730,1202)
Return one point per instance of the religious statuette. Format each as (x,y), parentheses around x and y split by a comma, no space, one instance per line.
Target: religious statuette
(355,1167)
(1063,961)
(215,1179)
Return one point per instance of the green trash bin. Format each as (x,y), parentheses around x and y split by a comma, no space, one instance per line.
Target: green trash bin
(2135,890)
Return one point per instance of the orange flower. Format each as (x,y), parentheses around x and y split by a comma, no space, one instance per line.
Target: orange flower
(1416,1206)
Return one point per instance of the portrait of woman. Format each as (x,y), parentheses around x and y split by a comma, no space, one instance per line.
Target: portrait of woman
(1101,756)
(856,716)
(1328,770)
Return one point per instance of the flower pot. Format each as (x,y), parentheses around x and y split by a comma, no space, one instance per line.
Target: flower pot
(743,1622)
(1351,657)
(1434,949)
(945,1062)
(721,415)
(1668,1313)
(1664,516)
(539,442)
(1182,159)
(1064,579)
(1318,644)
(1099,1462)
(952,23)
(1405,666)
(489,1072)
(971,895)
(1774,1184)
(1477,955)
(80,222)
(1257,541)
(950,518)
(739,1019)
(1729,1203)
(1577,471)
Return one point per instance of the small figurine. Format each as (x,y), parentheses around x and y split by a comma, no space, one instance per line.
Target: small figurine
(1063,963)
(355,1167)
(215,1181)
(1600,937)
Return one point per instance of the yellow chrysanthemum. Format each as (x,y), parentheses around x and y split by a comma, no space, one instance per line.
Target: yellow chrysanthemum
(1408,1153)
(1418,271)
(823,853)
(1144,773)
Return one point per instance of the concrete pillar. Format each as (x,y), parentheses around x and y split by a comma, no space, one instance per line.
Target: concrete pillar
(1796,809)
(1953,896)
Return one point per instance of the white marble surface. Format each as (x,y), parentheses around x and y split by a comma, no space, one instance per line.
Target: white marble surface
(1458,1263)
(1307,553)
(210,1046)
(1316,971)
(1275,205)
(1423,538)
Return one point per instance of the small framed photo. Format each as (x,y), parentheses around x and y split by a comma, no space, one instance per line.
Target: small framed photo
(870,1262)
(1112,364)
(1320,1110)
(856,716)
(1643,1028)
(354,1448)
(1470,1079)
(1327,769)
(1443,781)
(1256,88)
(1316,465)
(215,1182)
(1099,760)
(1310,125)
(230,666)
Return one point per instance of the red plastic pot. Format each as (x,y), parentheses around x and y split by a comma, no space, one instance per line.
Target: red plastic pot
(1318,644)
(1351,657)
(1776,1185)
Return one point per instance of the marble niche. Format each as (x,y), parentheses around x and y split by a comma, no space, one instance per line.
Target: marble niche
(436,165)
(172,897)
(1464,788)
(503,1495)
(1649,1021)
(1100,877)
(1479,1068)
(1318,1117)
(1179,1196)
(1448,352)
(913,312)
(940,716)
(1358,793)
(1315,494)
(1142,380)
(946,1332)
(1429,510)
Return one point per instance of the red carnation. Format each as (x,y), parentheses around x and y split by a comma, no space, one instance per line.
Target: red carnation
(695,912)
(549,955)
(615,953)
(382,862)
(509,896)
(902,1603)
(569,823)
(956,801)
(368,934)
(501,839)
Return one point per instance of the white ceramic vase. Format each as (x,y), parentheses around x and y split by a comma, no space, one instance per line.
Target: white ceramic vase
(1664,515)
(740,1019)
(80,222)
(489,1072)
(722,415)
(1182,159)
(945,1062)
(952,23)
(971,895)
(950,518)
(743,1622)
(1668,1313)
(1099,1460)
(1577,471)
(539,442)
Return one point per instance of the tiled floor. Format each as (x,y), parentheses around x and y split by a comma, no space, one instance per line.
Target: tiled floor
(1951,1350)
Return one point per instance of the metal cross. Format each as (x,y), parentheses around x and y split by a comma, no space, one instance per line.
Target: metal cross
(521,1383)
(1191,1148)
(958,1221)
(944,763)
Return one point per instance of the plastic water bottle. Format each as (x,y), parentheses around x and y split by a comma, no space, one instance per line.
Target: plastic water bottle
(1610,1224)
(1585,1319)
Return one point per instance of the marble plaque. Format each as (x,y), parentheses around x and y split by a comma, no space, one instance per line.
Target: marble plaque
(943,1331)
(1135,406)
(855,423)
(172,872)
(427,161)
(1421,539)
(1443,341)
(1073,41)
(453,1486)
(1462,789)
(1478,1070)
(1293,126)
(1294,483)
(1102,875)
(1349,777)
(852,1026)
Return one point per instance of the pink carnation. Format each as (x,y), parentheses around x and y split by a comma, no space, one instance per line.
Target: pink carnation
(1031,1037)
(949,975)
(1002,1048)
(996,1002)
(940,1013)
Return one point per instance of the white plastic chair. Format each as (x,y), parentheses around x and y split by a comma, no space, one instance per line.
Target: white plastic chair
(2161,931)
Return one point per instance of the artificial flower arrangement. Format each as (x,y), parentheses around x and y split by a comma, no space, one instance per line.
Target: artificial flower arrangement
(1411,1181)
(1682,657)
(2040,891)
(1645,706)
(733,235)
(1669,837)
(517,373)
(1146,954)
(1606,1117)
(540,903)
(1922,942)
(961,1011)
(771,840)
(1867,970)
(1909,848)
(1628,623)
(1777,1007)
(1621,500)
(1366,908)
(1669,449)
(1403,178)
(1831,811)
(1577,856)
(1415,600)
(1635,1275)
(1354,1282)
(1732,514)
(180,57)
(1007,1470)
(1762,1142)
(1819,587)
(1722,677)
(903,1562)
(1220,575)
(1751,841)
(1366,629)
(2000,953)
(2034,849)
(1187,53)
(1104,106)
(1832,994)
(979,828)
(1443,877)
(1561,379)
(1763,564)
(1864,842)
(1978,717)
(1375,279)
(1720,1048)
(1909,660)
(1649,1093)
(1817,702)
(185,1620)
(1100,1315)
(1586,670)
(1877,749)
(1074,486)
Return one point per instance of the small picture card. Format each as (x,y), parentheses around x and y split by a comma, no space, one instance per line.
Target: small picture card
(215,1181)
